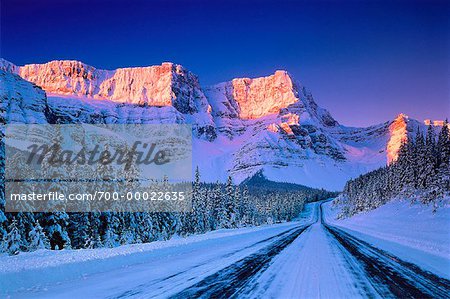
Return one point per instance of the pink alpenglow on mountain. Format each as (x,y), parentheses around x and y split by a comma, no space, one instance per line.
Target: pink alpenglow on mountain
(435,123)
(262,96)
(398,135)
(270,124)
(160,85)
(400,131)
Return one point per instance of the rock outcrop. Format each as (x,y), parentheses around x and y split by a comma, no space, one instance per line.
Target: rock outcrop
(167,84)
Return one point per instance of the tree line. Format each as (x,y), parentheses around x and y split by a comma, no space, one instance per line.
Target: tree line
(420,173)
(214,206)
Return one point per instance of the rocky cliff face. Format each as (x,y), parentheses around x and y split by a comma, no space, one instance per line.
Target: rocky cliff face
(276,94)
(401,130)
(163,85)
(262,96)
(398,134)
(240,127)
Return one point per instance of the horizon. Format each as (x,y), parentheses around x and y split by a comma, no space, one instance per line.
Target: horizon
(351,68)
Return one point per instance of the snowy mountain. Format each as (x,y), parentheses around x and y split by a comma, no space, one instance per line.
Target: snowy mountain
(241,127)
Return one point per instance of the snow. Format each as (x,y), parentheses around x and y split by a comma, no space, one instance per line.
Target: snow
(23,101)
(43,268)
(410,231)
(315,264)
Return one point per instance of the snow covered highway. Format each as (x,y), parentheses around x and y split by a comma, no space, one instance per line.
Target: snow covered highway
(302,259)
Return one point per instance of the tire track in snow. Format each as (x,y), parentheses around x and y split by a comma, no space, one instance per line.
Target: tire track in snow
(315,265)
(226,282)
(162,283)
(390,275)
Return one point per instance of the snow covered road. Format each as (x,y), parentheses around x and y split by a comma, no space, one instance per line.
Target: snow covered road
(148,271)
(303,259)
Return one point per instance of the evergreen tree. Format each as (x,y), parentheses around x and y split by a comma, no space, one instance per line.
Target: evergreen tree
(78,229)
(219,213)
(111,236)
(421,172)
(55,226)
(228,210)
(13,240)
(38,239)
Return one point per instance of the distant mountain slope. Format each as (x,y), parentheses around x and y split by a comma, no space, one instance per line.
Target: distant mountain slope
(241,127)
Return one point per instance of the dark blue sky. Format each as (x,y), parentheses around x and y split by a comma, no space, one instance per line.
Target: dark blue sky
(363,61)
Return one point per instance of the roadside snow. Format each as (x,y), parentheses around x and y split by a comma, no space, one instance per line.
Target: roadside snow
(410,231)
(49,258)
(41,270)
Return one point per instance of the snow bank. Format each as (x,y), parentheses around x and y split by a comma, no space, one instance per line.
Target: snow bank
(410,231)
(35,270)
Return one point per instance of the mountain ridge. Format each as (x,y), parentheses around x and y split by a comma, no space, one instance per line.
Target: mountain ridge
(241,126)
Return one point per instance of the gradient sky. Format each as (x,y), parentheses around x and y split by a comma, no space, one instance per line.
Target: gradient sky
(363,61)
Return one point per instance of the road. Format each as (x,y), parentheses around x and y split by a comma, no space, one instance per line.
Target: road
(304,259)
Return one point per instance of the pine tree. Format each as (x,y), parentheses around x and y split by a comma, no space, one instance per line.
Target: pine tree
(203,212)
(443,148)
(192,220)
(111,236)
(228,220)
(3,219)
(55,226)
(420,157)
(38,239)
(220,212)
(430,160)
(237,199)
(246,208)
(13,240)
(90,243)
(25,223)
(127,237)
(78,229)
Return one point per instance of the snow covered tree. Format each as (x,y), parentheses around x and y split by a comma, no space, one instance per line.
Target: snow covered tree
(443,148)
(93,242)
(422,171)
(111,236)
(228,219)
(38,239)
(219,208)
(13,240)
(55,227)
(246,208)
(127,237)
(79,226)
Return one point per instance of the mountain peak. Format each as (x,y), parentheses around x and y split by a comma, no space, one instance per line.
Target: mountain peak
(7,66)
(401,116)
(257,116)
(261,96)
(398,135)
(282,74)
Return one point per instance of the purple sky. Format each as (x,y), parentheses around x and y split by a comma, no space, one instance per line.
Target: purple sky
(365,61)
